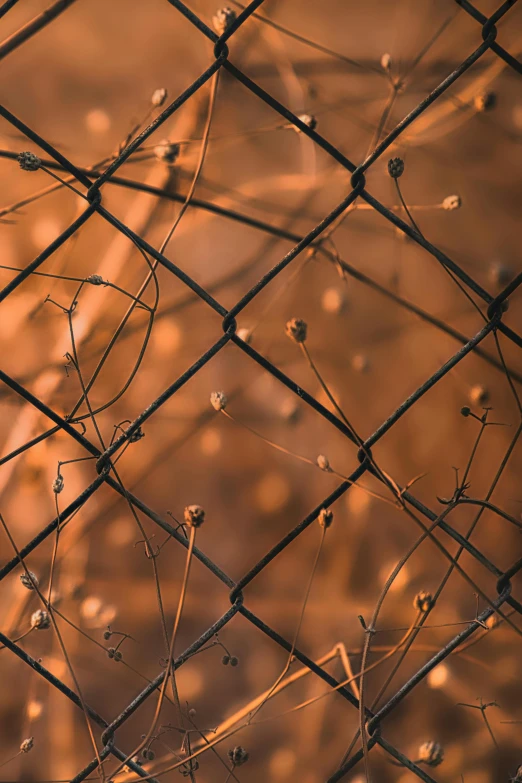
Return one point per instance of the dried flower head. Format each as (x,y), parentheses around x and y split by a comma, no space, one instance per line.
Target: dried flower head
(223,19)
(27,745)
(451,202)
(192,713)
(465,411)
(167,151)
(40,620)
(323,462)
(194,516)
(29,161)
(386,61)
(245,335)
(479,394)
(95,280)
(396,167)
(238,755)
(431,754)
(485,101)
(296,329)
(325,518)
(218,400)
(307,119)
(159,96)
(423,601)
(58,484)
(29,580)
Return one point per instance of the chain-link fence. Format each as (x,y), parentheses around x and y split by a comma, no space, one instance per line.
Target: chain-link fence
(89,185)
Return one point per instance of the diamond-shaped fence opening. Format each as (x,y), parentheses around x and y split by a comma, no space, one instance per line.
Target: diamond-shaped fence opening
(261,392)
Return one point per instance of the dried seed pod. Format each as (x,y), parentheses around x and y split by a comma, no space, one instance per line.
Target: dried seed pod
(323,462)
(386,61)
(95,280)
(479,395)
(296,329)
(218,400)
(40,620)
(29,580)
(167,151)
(451,202)
(234,660)
(238,756)
(396,168)
(159,96)
(325,518)
(29,161)
(148,754)
(431,753)
(423,601)
(222,20)
(27,745)
(58,484)
(194,515)
(245,335)
(485,101)
(307,119)
(225,660)
(465,411)
(192,713)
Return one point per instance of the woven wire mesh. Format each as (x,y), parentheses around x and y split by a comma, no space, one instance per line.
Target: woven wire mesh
(90,186)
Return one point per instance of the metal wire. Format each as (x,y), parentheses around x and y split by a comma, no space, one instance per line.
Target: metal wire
(93,183)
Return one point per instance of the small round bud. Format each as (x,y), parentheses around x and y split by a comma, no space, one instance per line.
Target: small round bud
(238,756)
(40,620)
(386,62)
(218,400)
(396,167)
(107,635)
(58,484)
(222,20)
(423,601)
(117,655)
(194,516)
(325,518)
(110,652)
(95,280)
(485,101)
(29,580)
(234,660)
(167,151)
(307,119)
(148,754)
(225,660)
(27,745)
(192,713)
(479,395)
(465,411)
(431,754)
(245,335)
(451,202)
(159,97)
(29,161)
(323,462)
(296,329)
